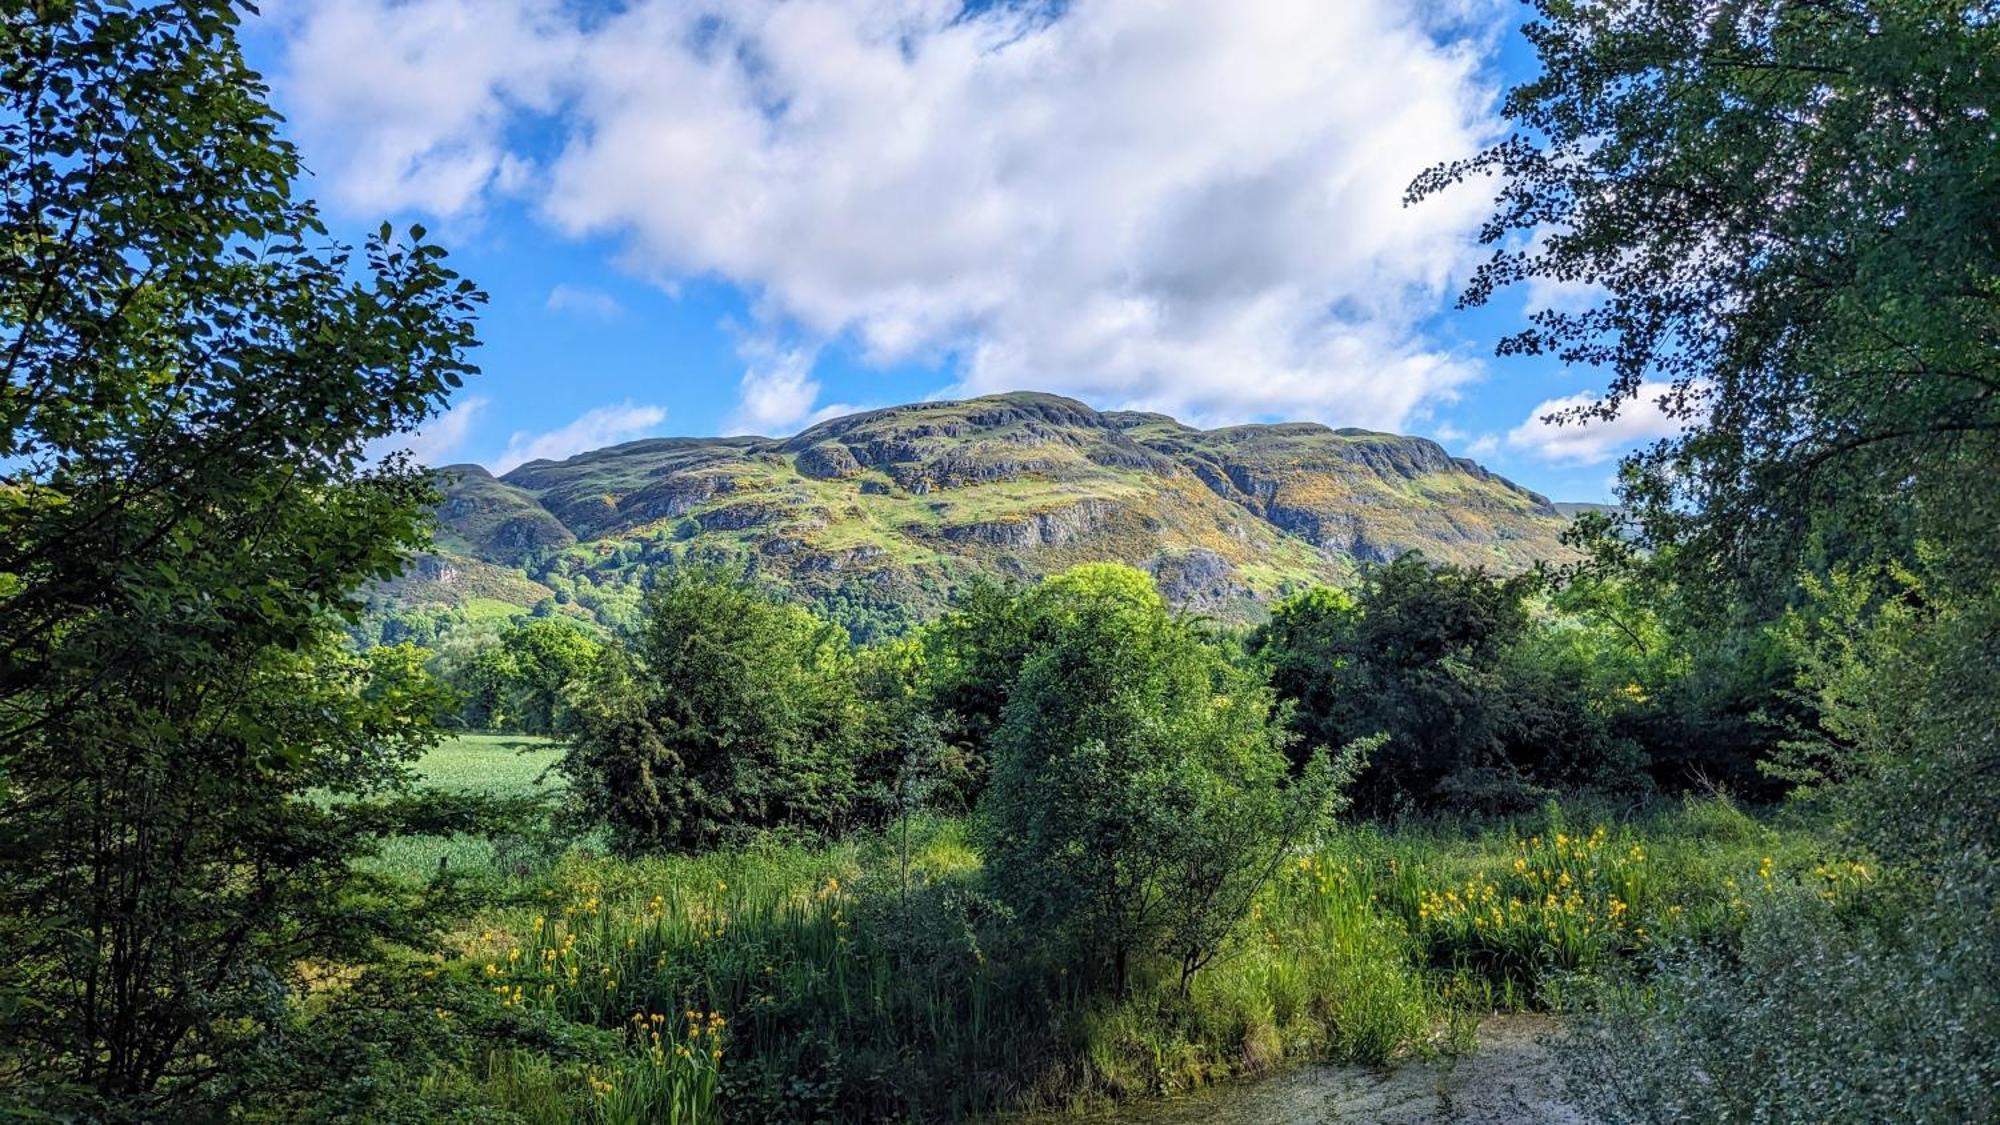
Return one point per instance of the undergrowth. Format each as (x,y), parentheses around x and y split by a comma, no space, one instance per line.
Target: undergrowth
(874,980)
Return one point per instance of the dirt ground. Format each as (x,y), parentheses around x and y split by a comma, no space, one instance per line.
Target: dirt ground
(1510,1079)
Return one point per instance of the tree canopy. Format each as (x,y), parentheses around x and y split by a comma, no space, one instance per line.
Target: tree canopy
(191,372)
(1786,212)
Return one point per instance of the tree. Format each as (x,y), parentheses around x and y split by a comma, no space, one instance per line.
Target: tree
(730,712)
(1787,209)
(1415,654)
(970,660)
(1140,790)
(192,369)
(548,657)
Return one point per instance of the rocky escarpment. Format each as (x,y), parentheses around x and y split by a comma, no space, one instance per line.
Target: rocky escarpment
(884,513)
(489,520)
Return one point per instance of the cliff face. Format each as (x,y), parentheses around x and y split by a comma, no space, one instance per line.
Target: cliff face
(877,516)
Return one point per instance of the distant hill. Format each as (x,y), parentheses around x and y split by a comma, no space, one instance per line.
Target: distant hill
(878,517)
(1575,508)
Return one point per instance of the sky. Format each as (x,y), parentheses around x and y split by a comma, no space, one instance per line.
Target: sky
(741,216)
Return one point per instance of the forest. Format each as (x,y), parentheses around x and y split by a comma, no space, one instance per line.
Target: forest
(1720,795)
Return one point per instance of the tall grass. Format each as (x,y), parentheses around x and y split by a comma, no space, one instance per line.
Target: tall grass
(866,981)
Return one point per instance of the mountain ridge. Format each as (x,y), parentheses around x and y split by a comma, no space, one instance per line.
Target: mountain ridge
(879,516)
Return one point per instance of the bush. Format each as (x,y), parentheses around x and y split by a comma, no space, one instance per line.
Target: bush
(729,713)
(1139,793)
(1484,707)
(1817,1016)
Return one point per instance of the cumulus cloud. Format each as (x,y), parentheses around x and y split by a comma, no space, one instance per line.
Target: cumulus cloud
(606,425)
(435,442)
(1186,207)
(1595,440)
(578,300)
(409,105)
(777,391)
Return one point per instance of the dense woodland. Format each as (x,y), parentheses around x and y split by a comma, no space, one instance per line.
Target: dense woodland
(1723,795)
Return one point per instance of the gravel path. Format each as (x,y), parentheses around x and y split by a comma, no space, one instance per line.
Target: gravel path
(1510,1079)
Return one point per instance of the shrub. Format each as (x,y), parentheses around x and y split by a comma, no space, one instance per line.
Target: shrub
(1483,707)
(1139,793)
(1819,1015)
(729,713)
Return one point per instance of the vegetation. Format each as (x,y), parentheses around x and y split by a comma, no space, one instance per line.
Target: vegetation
(1721,790)
(192,369)
(1139,795)
(519,678)
(731,713)
(876,977)
(1785,210)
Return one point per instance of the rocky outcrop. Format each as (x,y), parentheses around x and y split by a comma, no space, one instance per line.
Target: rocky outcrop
(827,461)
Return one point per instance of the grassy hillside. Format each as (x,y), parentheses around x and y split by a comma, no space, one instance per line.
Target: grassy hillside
(878,516)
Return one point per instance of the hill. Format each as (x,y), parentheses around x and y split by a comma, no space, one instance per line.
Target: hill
(877,517)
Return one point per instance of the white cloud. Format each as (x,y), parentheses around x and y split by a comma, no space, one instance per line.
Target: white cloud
(1594,440)
(408,105)
(1181,206)
(778,391)
(606,425)
(1485,445)
(1557,295)
(576,299)
(434,443)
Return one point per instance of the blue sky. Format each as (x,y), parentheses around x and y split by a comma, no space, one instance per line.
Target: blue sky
(741,215)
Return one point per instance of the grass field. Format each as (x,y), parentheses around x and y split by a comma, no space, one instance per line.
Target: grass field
(504,765)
